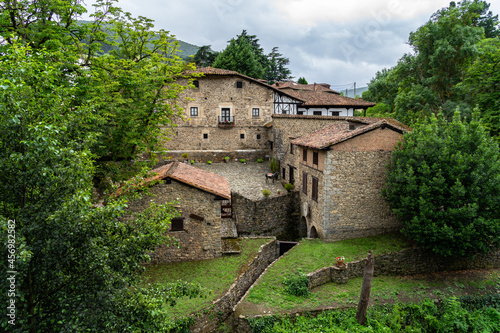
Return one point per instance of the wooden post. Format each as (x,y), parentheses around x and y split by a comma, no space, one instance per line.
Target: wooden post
(365,289)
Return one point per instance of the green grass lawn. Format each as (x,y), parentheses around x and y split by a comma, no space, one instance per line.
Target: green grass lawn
(216,275)
(268,296)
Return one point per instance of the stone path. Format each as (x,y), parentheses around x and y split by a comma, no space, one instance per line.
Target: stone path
(246,179)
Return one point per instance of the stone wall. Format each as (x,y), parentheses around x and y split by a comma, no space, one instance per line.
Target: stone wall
(199,239)
(215,155)
(272,216)
(405,262)
(210,320)
(354,206)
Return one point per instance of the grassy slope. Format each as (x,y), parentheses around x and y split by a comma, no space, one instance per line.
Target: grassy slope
(216,275)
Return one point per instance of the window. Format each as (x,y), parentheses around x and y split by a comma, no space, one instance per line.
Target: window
(317,113)
(225,115)
(205,135)
(352,127)
(291,148)
(304,155)
(239,84)
(194,111)
(258,138)
(315,158)
(196,84)
(304,182)
(255,112)
(177,224)
(335,113)
(168,180)
(284,173)
(314,194)
(242,135)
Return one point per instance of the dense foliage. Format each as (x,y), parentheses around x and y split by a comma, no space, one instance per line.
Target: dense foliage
(450,315)
(245,55)
(444,185)
(297,284)
(66,112)
(453,64)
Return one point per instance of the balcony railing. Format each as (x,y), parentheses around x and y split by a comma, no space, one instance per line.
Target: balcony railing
(226,122)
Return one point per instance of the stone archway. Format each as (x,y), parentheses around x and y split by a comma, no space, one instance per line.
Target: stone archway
(313,233)
(303,227)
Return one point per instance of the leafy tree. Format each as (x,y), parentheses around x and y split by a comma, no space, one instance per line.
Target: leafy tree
(276,70)
(132,89)
(383,88)
(481,85)
(302,80)
(239,56)
(205,56)
(444,186)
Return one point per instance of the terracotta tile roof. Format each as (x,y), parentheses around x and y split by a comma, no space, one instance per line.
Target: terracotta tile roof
(321,98)
(325,87)
(336,133)
(225,72)
(187,174)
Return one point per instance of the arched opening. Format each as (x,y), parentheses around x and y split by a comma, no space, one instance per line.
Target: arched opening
(303,227)
(313,233)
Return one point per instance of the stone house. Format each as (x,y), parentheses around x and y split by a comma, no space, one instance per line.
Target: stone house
(227,111)
(320,100)
(338,166)
(204,202)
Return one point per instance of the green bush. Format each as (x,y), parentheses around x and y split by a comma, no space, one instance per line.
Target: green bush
(297,284)
(185,155)
(209,162)
(260,160)
(243,160)
(274,165)
(266,193)
(192,161)
(289,187)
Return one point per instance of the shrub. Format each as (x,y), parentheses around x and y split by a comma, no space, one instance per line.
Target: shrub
(209,162)
(274,165)
(243,160)
(185,155)
(297,284)
(260,160)
(289,187)
(192,161)
(266,193)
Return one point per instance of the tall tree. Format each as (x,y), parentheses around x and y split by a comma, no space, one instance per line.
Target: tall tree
(205,56)
(277,70)
(444,185)
(240,57)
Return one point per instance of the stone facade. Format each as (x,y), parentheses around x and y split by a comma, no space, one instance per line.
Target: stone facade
(199,239)
(273,216)
(349,176)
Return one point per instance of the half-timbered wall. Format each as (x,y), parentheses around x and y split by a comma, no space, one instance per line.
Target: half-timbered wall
(284,104)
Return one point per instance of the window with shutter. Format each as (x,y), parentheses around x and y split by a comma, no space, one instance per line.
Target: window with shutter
(314,193)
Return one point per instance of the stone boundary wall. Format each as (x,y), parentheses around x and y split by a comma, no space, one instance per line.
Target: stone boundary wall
(272,216)
(209,321)
(405,262)
(203,156)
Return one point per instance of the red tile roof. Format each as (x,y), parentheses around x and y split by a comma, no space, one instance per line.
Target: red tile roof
(325,87)
(326,99)
(201,179)
(337,133)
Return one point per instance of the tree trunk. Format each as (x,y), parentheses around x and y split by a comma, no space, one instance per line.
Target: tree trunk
(365,289)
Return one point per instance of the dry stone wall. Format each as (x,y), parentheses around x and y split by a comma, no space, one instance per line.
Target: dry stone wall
(223,307)
(199,239)
(273,216)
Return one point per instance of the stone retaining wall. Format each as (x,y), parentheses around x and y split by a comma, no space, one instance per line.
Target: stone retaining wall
(405,262)
(272,216)
(203,156)
(210,320)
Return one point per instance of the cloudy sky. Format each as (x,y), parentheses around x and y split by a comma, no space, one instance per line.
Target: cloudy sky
(332,41)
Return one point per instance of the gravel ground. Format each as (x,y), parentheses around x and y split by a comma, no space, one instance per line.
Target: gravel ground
(246,179)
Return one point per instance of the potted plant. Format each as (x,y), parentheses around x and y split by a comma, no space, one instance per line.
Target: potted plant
(279,192)
(243,160)
(185,156)
(289,187)
(192,161)
(266,193)
(209,162)
(260,160)
(226,159)
(340,261)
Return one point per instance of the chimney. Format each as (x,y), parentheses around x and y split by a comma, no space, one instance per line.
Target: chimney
(314,86)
